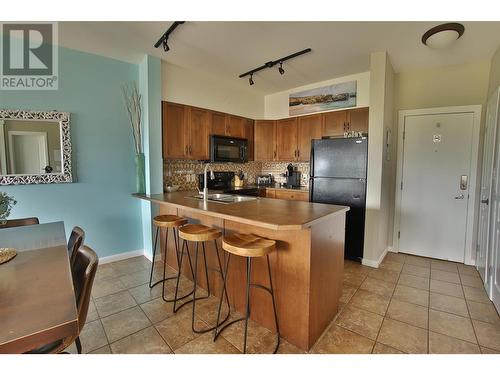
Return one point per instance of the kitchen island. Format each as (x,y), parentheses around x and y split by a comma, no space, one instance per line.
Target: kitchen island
(307,265)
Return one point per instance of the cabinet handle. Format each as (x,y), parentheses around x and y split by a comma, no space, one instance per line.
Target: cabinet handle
(275,154)
(298,153)
(190,150)
(186,152)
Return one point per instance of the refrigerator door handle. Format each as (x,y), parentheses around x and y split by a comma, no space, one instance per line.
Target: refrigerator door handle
(311,164)
(311,188)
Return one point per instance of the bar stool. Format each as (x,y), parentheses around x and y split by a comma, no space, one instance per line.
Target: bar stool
(168,222)
(248,246)
(200,234)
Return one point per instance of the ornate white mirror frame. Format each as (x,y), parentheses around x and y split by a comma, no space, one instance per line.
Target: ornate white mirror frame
(65,174)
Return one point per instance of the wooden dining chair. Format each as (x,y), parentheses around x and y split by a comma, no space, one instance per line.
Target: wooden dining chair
(76,240)
(84,269)
(20,222)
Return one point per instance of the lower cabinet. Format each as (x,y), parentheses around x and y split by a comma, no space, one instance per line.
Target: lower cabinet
(290,195)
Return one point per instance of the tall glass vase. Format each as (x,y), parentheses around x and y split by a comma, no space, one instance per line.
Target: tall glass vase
(140,178)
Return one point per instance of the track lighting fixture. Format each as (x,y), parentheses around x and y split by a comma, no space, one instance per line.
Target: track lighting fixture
(271,64)
(280,69)
(166,48)
(164,38)
(250,80)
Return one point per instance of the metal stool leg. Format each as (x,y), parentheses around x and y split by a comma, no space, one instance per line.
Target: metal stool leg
(154,255)
(274,304)
(224,292)
(179,274)
(247,315)
(177,277)
(270,290)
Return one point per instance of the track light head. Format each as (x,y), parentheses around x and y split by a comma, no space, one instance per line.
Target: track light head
(166,48)
(250,80)
(280,69)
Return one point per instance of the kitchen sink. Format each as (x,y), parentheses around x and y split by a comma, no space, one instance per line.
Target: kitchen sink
(224,198)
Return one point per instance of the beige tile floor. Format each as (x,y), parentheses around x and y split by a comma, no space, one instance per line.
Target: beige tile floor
(409,305)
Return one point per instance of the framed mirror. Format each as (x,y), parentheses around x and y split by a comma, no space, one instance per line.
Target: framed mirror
(35,147)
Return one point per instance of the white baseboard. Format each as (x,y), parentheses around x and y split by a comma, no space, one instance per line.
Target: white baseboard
(376,263)
(121,256)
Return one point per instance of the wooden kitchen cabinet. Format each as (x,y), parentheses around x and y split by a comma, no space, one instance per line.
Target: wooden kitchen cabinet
(264,140)
(174,120)
(270,193)
(197,134)
(249,135)
(185,132)
(218,123)
(286,139)
(334,123)
(309,128)
(292,195)
(358,120)
(235,127)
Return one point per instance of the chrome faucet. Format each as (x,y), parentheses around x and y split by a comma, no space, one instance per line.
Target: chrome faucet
(212,176)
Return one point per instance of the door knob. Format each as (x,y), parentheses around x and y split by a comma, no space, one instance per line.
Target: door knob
(461,196)
(485,201)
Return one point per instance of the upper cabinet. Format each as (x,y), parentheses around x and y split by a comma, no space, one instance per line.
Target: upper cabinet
(286,139)
(198,130)
(334,123)
(358,120)
(309,128)
(174,118)
(186,131)
(264,142)
(248,128)
(218,123)
(235,127)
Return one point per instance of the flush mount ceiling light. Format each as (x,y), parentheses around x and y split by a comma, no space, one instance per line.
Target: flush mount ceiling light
(164,38)
(271,64)
(443,36)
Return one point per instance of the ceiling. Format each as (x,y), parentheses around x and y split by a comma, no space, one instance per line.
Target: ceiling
(227,49)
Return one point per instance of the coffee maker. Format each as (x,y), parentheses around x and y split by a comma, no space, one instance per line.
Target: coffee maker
(292,176)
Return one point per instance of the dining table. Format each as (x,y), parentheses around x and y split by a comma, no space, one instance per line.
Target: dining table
(37,298)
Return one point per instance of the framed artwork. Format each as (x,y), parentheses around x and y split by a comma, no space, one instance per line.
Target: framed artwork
(327,98)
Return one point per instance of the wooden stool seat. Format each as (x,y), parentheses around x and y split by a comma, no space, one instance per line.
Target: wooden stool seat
(169,221)
(198,233)
(247,245)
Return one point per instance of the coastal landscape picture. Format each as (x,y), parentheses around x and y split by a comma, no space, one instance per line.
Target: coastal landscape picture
(340,95)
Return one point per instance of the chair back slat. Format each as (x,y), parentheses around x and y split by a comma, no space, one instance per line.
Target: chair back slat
(84,269)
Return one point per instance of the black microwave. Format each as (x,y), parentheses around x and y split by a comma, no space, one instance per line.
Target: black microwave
(228,149)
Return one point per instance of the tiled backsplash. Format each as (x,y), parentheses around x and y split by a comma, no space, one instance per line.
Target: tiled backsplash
(278,168)
(185,172)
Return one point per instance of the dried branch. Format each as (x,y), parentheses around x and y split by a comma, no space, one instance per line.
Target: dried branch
(132,99)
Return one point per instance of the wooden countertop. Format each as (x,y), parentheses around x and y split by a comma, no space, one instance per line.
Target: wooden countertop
(276,214)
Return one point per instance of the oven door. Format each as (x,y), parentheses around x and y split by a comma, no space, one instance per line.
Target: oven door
(226,149)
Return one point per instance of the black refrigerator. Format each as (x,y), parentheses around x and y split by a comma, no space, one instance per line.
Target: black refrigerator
(338,176)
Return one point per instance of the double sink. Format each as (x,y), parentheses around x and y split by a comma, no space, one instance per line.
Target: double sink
(224,198)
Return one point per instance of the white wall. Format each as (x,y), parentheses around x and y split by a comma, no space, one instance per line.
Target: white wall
(276,105)
(185,86)
(494,76)
(380,179)
(465,84)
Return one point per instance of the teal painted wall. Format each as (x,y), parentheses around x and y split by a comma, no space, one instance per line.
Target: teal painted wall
(103,154)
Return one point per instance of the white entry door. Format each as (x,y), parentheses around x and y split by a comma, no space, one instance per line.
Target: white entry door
(28,152)
(493,262)
(436,169)
(483,253)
